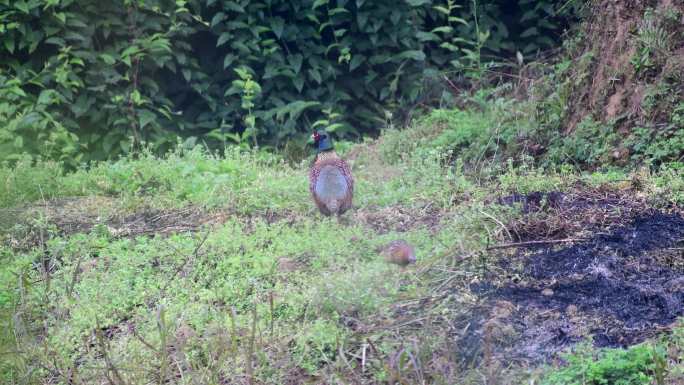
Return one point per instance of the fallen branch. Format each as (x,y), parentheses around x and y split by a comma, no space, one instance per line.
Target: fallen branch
(532,243)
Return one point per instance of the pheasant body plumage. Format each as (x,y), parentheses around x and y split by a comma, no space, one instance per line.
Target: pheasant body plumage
(330,179)
(399,252)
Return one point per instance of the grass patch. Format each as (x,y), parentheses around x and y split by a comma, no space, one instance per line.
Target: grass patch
(268,289)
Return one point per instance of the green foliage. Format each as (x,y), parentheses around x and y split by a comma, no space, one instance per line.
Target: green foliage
(86,80)
(634,366)
(555,93)
(481,137)
(670,182)
(27,181)
(30,128)
(82,77)
(317,346)
(656,146)
(87,75)
(590,144)
(526,26)
(656,36)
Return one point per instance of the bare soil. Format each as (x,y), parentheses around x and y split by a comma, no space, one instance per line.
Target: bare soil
(619,286)
(614,89)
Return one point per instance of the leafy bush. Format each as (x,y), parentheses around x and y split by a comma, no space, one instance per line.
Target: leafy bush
(317,345)
(527,26)
(82,76)
(100,79)
(634,366)
(470,136)
(589,144)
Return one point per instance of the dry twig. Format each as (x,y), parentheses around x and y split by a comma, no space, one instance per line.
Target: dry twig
(532,243)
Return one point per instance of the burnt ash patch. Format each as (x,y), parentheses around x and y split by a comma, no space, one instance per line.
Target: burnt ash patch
(620,288)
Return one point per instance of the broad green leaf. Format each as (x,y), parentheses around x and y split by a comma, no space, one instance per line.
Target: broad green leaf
(545,41)
(337,11)
(356,61)
(395,16)
(9,44)
(240,47)
(296,62)
(323,26)
(459,20)
(110,140)
(37,38)
(529,15)
(444,29)
(441,9)
(529,32)
(384,93)
(315,75)
(223,38)
(334,127)
(22,6)
(233,6)
(412,54)
(18,91)
(145,117)
(362,19)
(427,36)
(218,17)
(319,3)
(61,16)
(18,142)
(295,109)
(75,22)
(45,97)
(130,51)
(277,26)
(298,83)
(228,60)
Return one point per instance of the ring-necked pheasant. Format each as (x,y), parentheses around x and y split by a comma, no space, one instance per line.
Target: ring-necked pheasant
(330,179)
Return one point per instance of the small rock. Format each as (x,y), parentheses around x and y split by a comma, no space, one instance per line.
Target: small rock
(547,292)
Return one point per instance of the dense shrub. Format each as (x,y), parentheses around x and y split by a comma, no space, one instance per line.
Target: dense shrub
(84,80)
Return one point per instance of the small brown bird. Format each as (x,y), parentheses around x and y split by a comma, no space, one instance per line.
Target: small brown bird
(330,179)
(399,252)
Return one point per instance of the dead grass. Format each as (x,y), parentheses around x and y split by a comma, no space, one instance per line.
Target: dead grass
(400,219)
(576,213)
